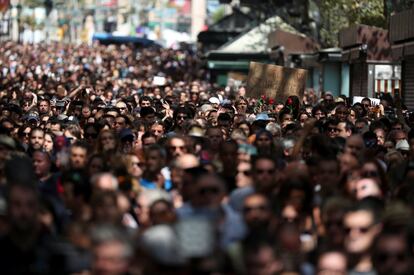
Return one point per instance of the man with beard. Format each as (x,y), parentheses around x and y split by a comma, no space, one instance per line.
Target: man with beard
(37,138)
(257,213)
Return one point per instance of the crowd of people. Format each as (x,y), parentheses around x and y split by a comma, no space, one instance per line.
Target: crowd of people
(124,160)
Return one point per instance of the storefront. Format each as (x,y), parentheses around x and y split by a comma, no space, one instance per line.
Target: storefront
(372,70)
(402,40)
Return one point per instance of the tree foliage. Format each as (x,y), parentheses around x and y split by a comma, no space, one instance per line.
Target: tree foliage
(33,3)
(339,14)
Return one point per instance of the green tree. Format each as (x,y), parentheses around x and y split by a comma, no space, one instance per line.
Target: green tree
(339,14)
(218,14)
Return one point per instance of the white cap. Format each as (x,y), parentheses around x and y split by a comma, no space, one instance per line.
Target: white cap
(402,145)
(214,100)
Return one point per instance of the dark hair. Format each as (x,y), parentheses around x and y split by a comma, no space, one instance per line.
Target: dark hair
(81,144)
(182,110)
(147,135)
(372,205)
(81,187)
(256,158)
(126,118)
(348,126)
(283,112)
(37,129)
(145,98)
(157,148)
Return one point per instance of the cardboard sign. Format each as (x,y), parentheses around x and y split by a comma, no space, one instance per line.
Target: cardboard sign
(159,81)
(374,101)
(275,81)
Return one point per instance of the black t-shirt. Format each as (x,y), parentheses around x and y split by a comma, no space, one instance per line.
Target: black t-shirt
(40,258)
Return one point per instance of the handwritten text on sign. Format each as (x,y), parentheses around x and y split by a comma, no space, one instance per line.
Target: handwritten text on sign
(275,81)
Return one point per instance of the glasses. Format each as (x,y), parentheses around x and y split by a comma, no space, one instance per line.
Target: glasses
(264,171)
(121,108)
(181,117)
(176,147)
(386,255)
(361,230)
(369,174)
(209,190)
(332,129)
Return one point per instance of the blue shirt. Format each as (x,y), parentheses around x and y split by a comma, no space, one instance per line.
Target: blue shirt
(151,185)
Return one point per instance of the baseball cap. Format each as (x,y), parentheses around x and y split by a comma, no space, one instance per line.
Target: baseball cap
(402,145)
(33,116)
(206,108)
(262,116)
(126,134)
(214,100)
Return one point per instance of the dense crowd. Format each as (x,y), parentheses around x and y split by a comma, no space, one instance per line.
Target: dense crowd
(124,160)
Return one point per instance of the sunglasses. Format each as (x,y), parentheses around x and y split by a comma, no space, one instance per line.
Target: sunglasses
(383,256)
(369,174)
(331,129)
(176,147)
(263,171)
(361,230)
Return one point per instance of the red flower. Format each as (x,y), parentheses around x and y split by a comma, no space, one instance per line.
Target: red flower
(263,97)
(289,101)
(271,101)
